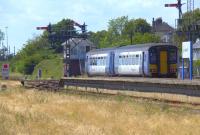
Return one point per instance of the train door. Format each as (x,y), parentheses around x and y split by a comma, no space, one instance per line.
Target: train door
(111,63)
(163,62)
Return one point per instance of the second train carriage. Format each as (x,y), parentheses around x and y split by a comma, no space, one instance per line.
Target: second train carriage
(99,62)
(157,60)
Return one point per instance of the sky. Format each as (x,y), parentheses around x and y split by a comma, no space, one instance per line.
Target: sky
(23,16)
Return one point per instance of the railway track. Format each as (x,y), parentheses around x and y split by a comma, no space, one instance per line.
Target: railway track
(169,90)
(42,84)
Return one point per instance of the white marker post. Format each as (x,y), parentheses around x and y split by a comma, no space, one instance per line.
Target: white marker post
(187,54)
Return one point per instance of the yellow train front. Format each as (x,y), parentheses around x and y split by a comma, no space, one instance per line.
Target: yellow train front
(163,61)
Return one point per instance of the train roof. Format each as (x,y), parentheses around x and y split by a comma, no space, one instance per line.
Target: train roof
(136,47)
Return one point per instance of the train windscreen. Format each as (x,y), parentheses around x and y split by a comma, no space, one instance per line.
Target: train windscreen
(173,56)
(153,58)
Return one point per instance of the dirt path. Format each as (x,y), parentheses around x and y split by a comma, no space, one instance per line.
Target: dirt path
(10,83)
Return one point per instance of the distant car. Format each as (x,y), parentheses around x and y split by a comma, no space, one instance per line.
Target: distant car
(153,60)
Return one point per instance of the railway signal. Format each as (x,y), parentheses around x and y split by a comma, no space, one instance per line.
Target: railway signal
(64,35)
(48,28)
(178,5)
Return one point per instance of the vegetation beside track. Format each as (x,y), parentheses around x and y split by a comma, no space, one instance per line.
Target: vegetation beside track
(30,111)
(51,68)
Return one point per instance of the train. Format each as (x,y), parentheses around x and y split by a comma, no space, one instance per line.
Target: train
(147,60)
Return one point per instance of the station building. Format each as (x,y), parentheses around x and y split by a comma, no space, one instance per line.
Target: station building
(196,51)
(163,30)
(196,57)
(78,49)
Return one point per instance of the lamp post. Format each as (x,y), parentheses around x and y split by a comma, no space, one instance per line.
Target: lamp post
(7,40)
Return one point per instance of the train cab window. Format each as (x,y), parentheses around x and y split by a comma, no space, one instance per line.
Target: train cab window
(172,56)
(152,57)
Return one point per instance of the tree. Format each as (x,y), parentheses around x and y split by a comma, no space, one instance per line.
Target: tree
(98,37)
(130,29)
(59,34)
(141,26)
(190,22)
(137,26)
(117,26)
(122,31)
(140,38)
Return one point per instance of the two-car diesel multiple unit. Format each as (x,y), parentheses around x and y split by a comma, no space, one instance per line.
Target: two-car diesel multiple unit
(153,60)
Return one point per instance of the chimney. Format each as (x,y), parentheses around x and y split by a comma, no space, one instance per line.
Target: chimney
(153,25)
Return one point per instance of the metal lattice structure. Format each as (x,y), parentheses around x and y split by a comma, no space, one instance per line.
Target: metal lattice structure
(66,35)
(190,5)
(178,5)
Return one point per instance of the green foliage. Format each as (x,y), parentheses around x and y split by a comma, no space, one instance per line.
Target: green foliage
(117,26)
(50,68)
(40,53)
(197,63)
(122,31)
(36,50)
(59,30)
(141,26)
(189,19)
(140,38)
(40,48)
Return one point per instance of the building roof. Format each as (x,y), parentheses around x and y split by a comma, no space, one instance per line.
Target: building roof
(160,26)
(78,41)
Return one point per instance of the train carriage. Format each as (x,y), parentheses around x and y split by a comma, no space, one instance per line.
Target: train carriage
(98,62)
(154,60)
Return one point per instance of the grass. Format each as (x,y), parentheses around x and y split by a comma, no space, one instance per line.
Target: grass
(50,68)
(39,112)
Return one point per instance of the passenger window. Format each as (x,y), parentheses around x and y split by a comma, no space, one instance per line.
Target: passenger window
(104,60)
(133,60)
(124,60)
(119,60)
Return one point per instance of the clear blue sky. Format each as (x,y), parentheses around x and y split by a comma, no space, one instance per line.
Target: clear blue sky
(23,16)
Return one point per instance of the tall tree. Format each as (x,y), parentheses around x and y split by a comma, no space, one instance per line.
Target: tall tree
(59,34)
(190,22)
(142,26)
(130,29)
(137,26)
(116,26)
